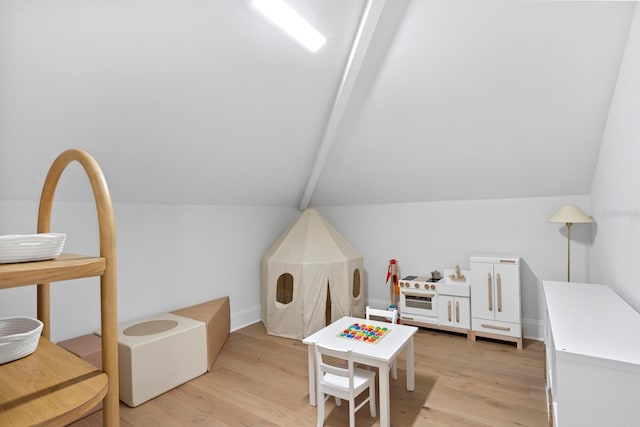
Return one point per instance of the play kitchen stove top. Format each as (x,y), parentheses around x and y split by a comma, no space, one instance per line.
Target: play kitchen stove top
(419,282)
(419,298)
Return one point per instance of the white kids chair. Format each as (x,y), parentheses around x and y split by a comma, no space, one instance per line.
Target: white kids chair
(342,383)
(391,316)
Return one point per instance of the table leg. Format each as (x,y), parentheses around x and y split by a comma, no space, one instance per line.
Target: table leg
(411,378)
(312,375)
(385,410)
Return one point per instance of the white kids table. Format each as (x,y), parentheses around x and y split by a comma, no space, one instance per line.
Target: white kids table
(381,355)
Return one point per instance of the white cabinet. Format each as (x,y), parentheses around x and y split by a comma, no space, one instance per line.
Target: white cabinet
(593,356)
(454,308)
(454,311)
(495,298)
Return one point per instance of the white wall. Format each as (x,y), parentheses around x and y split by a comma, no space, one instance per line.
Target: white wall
(616,184)
(175,256)
(437,235)
(169,257)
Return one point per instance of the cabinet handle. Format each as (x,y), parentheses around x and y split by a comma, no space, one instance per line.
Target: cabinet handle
(418,294)
(449,310)
(499,291)
(457,312)
(500,328)
(489,290)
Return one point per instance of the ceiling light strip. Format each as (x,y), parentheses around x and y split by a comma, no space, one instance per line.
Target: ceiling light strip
(290,21)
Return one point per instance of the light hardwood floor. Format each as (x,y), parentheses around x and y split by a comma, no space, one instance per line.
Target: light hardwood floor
(261,380)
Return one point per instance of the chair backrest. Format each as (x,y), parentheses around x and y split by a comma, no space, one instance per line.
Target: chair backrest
(390,315)
(323,365)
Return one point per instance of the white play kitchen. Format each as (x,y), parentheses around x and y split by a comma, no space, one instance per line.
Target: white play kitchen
(483,301)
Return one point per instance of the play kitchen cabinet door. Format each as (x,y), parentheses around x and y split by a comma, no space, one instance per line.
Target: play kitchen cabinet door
(454,311)
(495,298)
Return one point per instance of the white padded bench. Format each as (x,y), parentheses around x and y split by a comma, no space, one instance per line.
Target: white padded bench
(153,361)
(158,353)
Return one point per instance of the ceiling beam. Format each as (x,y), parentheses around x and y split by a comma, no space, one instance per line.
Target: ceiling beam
(378,26)
(361,43)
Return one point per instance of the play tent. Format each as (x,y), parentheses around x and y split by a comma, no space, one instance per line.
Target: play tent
(311,276)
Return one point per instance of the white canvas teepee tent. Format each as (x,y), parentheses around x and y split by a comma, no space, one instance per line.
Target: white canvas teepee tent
(311,276)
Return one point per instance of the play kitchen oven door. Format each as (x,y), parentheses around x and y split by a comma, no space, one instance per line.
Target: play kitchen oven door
(419,305)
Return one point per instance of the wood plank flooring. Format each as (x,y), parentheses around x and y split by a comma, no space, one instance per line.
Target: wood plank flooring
(261,380)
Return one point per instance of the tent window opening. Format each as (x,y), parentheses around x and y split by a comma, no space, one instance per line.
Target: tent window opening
(284,289)
(356,283)
(327,307)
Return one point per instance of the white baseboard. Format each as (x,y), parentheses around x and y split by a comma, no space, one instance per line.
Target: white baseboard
(531,328)
(378,303)
(249,316)
(246,317)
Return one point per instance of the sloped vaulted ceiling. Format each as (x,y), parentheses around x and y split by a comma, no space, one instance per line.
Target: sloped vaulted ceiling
(483,99)
(198,101)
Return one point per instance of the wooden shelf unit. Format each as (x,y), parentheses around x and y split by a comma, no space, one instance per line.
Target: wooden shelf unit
(53,387)
(65,267)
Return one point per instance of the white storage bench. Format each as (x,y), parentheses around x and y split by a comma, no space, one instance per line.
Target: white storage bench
(158,353)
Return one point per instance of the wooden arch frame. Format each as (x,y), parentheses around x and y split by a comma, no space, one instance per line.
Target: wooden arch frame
(108,293)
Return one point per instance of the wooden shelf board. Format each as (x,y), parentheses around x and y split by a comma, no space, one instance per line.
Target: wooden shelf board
(65,267)
(51,386)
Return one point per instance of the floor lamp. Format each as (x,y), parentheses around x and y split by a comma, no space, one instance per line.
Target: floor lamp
(569,215)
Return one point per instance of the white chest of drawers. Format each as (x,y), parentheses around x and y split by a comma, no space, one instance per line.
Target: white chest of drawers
(592,339)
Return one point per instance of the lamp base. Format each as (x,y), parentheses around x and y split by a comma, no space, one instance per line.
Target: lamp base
(569,224)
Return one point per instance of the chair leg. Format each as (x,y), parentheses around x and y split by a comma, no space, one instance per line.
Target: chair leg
(372,400)
(320,402)
(394,370)
(338,401)
(352,413)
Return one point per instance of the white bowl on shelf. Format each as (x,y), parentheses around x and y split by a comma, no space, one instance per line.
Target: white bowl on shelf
(30,247)
(19,337)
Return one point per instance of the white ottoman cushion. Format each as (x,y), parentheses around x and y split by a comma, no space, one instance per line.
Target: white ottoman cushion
(158,353)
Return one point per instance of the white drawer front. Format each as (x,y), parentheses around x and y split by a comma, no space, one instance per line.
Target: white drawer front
(498,328)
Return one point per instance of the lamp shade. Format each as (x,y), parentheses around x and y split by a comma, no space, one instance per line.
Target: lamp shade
(570,214)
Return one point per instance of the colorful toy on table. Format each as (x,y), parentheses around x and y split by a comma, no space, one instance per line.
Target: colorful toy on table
(365,333)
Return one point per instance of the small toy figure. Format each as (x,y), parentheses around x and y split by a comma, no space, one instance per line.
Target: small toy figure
(392,272)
